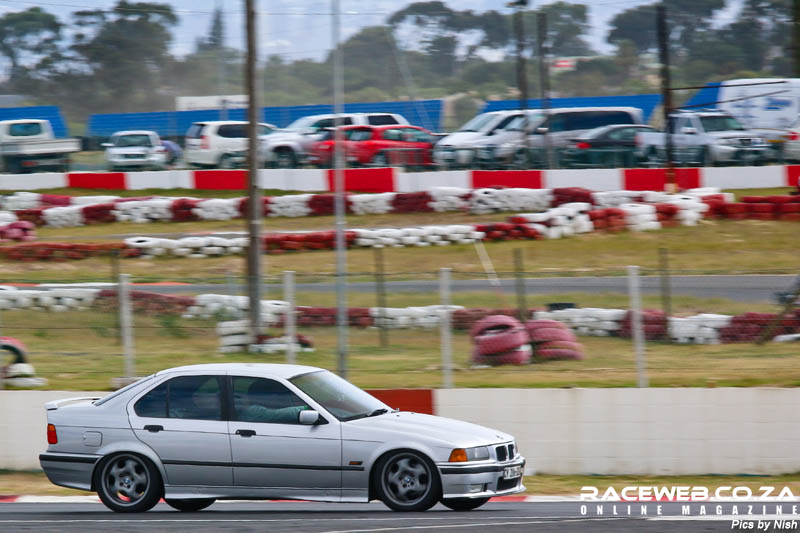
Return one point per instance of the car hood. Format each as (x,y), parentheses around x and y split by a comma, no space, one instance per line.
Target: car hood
(443,431)
(459,138)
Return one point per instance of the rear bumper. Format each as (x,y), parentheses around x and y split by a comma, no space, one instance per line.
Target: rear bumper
(480,481)
(69,469)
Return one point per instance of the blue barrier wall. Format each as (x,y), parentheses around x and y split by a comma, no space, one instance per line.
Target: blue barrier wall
(425,113)
(44,112)
(704,98)
(646,102)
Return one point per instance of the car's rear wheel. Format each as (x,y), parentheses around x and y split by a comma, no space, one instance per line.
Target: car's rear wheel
(226,162)
(190,506)
(463,504)
(285,159)
(128,483)
(407,481)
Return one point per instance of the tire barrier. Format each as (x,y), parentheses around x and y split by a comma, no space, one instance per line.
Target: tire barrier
(500,340)
(17,230)
(235,336)
(18,373)
(552,340)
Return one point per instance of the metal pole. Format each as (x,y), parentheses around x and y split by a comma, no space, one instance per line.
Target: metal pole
(339,205)
(666,287)
(636,325)
(254,193)
(291,330)
(666,94)
(544,81)
(223,110)
(519,273)
(380,292)
(446,330)
(126,325)
(522,77)
(796,36)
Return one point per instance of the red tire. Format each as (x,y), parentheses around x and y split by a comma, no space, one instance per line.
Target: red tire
(503,341)
(559,355)
(520,356)
(542,323)
(494,321)
(560,345)
(552,334)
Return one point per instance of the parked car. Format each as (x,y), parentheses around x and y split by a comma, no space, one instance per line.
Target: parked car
(555,128)
(606,146)
(378,146)
(289,147)
(706,138)
(135,149)
(29,144)
(220,143)
(199,433)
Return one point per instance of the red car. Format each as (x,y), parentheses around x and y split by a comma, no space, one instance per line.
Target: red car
(395,145)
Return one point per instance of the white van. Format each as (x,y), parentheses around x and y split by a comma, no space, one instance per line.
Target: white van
(774,103)
(219,143)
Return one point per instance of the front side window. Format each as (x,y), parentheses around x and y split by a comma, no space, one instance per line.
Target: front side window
(341,398)
(720,123)
(265,401)
(25,129)
(185,397)
(232,131)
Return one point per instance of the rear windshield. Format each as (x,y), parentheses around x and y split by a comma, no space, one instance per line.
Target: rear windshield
(232,131)
(195,130)
(124,141)
(25,129)
(123,390)
(381,120)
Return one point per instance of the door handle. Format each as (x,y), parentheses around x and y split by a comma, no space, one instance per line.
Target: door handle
(245,432)
(153,429)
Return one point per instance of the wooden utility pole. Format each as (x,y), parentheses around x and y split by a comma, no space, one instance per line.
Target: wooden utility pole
(544,81)
(666,94)
(796,37)
(253,191)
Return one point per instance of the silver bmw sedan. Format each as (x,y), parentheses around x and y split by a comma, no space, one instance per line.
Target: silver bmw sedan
(196,434)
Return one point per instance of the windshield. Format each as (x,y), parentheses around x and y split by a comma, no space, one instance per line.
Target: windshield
(124,141)
(340,398)
(720,123)
(532,120)
(300,124)
(480,122)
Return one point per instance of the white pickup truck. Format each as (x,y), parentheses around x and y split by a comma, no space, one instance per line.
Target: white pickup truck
(28,145)
(704,138)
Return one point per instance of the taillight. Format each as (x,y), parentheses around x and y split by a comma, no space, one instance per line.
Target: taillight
(793,136)
(52,436)
(583,146)
(204,144)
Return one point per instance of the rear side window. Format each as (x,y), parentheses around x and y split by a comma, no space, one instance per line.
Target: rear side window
(195,130)
(232,131)
(381,120)
(588,120)
(185,397)
(25,129)
(393,134)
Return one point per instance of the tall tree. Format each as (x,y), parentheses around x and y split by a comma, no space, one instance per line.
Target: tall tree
(216,33)
(27,38)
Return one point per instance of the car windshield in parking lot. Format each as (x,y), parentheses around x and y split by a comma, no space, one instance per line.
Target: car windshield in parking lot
(342,399)
(720,123)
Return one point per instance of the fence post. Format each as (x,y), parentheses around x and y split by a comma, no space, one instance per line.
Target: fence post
(126,325)
(519,272)
(231,283)
(446,330)
(666,288)
(291,330)
(636,325)
(380,293)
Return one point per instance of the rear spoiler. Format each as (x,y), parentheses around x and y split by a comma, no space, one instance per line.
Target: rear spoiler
(55,404)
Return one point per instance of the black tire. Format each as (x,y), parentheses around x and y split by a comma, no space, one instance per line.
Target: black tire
(128,483)
(285,159)
(225,162)
(407,481)
(463,504)
(380,160)
(705,157)
(190,506)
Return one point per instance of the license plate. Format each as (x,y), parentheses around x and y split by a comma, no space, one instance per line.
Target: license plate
(511,472)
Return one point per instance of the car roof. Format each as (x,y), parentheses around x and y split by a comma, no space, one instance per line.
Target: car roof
(134,132)
(279,370)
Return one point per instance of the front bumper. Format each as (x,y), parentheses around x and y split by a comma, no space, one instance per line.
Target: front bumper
(69,469)
(484,480)
(732,153)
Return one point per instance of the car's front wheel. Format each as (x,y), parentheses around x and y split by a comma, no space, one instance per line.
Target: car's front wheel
(128,483)
(463,504)
(190,506)
(407,481)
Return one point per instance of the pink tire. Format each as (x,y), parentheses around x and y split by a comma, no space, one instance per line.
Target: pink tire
(552,334)
(492,342)
(494,321)
(532,325)
(560,345)
(559,355)
(520,356)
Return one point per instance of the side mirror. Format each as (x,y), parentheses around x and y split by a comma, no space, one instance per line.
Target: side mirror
(308,418)
(106,145)
(540,131)
(689,130)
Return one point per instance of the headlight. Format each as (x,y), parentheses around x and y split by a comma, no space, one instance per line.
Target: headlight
(461,455)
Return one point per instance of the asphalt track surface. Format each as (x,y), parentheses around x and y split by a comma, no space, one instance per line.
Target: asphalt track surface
(358,518)
(743,288)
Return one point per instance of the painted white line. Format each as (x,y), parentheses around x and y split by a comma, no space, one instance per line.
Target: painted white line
(728,517)
(482,524)
(299,519)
